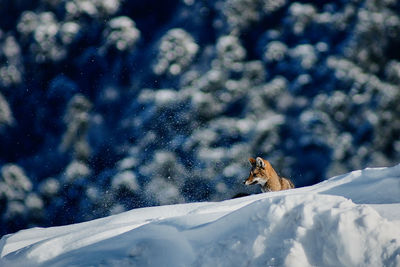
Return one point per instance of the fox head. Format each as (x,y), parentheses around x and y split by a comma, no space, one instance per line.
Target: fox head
(261,171)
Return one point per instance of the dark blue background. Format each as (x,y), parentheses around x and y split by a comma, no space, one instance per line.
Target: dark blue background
(89,128)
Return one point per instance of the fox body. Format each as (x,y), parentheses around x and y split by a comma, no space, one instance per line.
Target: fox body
(263,174)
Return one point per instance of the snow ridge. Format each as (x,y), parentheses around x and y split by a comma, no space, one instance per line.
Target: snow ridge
(348,220)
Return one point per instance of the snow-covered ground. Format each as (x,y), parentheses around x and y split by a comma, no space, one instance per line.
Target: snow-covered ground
(348,220)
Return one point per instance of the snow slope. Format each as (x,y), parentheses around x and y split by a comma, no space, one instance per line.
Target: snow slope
(348,220)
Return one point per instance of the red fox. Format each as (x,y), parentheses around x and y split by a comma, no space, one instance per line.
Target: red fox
(263,174)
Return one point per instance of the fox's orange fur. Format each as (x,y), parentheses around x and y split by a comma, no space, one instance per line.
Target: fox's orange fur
(263,174)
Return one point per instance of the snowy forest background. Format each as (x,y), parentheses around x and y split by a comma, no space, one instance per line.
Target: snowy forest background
(109,105)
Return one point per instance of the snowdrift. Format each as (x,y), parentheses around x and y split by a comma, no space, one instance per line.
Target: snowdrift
(348,220)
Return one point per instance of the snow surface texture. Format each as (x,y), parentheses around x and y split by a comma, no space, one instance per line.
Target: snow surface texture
(348,220)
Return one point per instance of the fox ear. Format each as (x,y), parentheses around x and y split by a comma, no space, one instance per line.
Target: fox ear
(252,161)
(260,162)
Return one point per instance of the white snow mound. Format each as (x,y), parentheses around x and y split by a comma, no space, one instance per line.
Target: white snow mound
(348,220)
